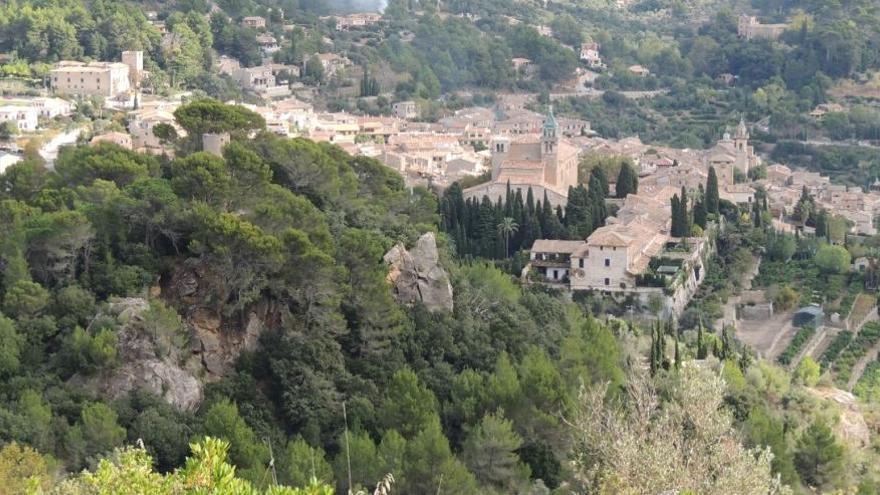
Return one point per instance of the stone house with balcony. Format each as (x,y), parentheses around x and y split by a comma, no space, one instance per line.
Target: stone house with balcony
(632,257)
(551,259)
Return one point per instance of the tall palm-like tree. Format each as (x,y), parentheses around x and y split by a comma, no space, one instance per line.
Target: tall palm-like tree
(507,228)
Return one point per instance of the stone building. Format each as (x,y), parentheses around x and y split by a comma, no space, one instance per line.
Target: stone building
(749,28)
(633,257)
(544,162)
(255,22)
(733,153)
(106,79)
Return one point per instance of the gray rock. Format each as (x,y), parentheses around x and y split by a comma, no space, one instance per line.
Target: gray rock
(417,275)
(142,365)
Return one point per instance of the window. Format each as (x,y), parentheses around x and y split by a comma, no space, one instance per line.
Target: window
(607,261)
(607,281)
(581,263)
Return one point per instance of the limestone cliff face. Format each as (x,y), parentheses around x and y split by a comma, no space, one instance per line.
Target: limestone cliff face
(215,341)
(416,275)
(144,364)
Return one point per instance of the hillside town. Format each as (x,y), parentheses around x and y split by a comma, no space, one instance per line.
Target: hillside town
(509,145)
(439,247)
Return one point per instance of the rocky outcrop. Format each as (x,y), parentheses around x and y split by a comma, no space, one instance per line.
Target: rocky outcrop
(216,348)
(216,342)
(416,275)
(144,362)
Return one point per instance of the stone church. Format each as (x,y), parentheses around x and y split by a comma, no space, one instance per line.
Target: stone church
(546,162)
(733,153)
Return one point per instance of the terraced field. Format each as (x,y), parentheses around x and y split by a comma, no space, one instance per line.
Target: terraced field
(841,357)
(797,343)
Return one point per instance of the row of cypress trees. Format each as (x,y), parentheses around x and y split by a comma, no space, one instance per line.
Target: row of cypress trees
(496,230)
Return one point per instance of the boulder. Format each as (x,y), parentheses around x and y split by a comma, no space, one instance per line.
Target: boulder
(417,277)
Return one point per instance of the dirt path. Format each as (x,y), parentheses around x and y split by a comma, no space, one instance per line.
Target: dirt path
(775,349)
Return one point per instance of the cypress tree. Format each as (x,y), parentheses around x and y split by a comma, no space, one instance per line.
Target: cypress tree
(676,228)
(701,344)
(627,181)
(530,201)
(485,236)
(578,213)
(685,215)
(712,199)
(757,221)
(597,203)
(654,359)
(700,213)
(546,219)
(518,205)
(508,201)
(677,352)
(822,224)
(602,177)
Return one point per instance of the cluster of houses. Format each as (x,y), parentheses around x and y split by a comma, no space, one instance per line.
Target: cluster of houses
(357,20)
(633,258)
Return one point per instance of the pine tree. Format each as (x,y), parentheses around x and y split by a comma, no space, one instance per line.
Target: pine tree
(712,199)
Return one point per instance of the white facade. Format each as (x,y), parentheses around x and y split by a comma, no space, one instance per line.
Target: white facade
(24,117)
(50,108)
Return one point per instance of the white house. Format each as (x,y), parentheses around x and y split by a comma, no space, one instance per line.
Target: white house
(24,117)
(50,108)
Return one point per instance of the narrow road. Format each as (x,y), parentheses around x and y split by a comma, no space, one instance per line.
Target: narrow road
(826,142)
(49,151)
